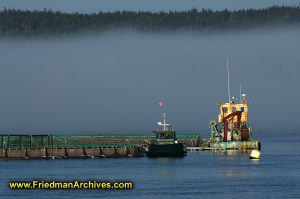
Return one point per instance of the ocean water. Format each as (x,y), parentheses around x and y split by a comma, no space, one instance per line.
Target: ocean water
(198,175)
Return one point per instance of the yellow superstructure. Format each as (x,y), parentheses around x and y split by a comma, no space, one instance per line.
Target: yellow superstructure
(229,108)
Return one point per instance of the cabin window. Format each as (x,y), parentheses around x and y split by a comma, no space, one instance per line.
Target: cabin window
(225,110)
(242,109)
(233,109)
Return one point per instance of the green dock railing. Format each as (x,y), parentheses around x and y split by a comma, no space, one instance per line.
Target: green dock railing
(80,141)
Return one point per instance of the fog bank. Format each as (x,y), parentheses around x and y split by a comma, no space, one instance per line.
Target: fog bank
(112,82)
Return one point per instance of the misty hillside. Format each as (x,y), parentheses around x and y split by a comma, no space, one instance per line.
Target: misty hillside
(31,23)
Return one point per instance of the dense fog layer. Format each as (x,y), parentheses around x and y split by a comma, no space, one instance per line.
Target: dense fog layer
(88,6)
(112,82)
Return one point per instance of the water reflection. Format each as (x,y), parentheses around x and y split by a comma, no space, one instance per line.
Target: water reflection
(230,153)
(165,160)
(255,161)
(233,172)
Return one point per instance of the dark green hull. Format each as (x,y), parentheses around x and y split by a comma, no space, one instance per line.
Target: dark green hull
(166,150)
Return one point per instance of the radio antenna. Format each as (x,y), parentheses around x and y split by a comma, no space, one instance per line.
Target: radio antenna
(240,92)
(228,83)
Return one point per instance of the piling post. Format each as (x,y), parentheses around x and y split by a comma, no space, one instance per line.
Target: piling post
(42,141)
(46,153)
(101,152)
(30,141)
(127,151)
(48,140)
(20,142)
(26,154)
(66,153)
(8,142)
(116,152)
(83,153)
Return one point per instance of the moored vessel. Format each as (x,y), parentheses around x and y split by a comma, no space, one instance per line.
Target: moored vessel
(165,144)
(232,129)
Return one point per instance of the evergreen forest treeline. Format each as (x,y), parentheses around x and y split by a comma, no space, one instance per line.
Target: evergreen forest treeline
(32,23)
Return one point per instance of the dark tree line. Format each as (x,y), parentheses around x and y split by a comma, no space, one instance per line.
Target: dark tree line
(31,23)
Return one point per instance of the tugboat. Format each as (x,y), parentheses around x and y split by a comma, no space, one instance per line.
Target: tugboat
(165,144)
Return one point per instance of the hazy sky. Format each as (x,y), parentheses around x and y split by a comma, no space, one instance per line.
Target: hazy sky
(112,82)
(146,5)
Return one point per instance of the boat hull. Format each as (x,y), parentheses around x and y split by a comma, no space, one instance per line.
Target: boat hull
(166,150)
(236,145)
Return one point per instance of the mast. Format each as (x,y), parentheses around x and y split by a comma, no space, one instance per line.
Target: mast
(240,92)
(228,83)
(164,120)
(163,123)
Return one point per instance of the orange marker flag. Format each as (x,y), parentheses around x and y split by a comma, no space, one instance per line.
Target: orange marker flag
(160,103)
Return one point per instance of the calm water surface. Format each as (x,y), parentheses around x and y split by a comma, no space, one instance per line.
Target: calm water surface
(198,175)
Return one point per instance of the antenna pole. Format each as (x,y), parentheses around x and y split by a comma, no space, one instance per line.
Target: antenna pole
(164,120)
(228,83)
(240,92)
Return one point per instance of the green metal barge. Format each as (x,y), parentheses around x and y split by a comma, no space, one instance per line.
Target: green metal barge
(50,146)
